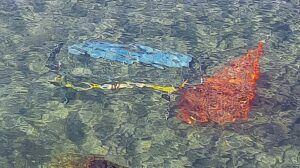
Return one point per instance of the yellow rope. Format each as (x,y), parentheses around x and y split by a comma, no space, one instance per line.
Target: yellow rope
(89,86)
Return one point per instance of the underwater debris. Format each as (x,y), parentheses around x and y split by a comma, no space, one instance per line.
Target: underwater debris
(226,96)
(52,63)
(129,54)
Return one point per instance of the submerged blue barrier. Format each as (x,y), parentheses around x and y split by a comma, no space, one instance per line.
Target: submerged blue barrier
(131,53)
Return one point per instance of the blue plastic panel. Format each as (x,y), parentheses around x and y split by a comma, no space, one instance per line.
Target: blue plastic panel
(130,54)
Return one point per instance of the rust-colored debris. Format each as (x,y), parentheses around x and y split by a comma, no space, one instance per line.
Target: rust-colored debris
(73,160)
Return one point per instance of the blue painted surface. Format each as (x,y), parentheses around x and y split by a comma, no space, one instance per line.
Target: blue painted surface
(130,54)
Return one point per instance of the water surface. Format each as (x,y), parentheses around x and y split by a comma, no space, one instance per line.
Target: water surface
(41,122)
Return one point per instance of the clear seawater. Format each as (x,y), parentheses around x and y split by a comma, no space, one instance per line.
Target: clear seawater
(46,125)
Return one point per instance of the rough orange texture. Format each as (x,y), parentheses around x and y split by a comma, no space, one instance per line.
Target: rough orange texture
(226,96)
